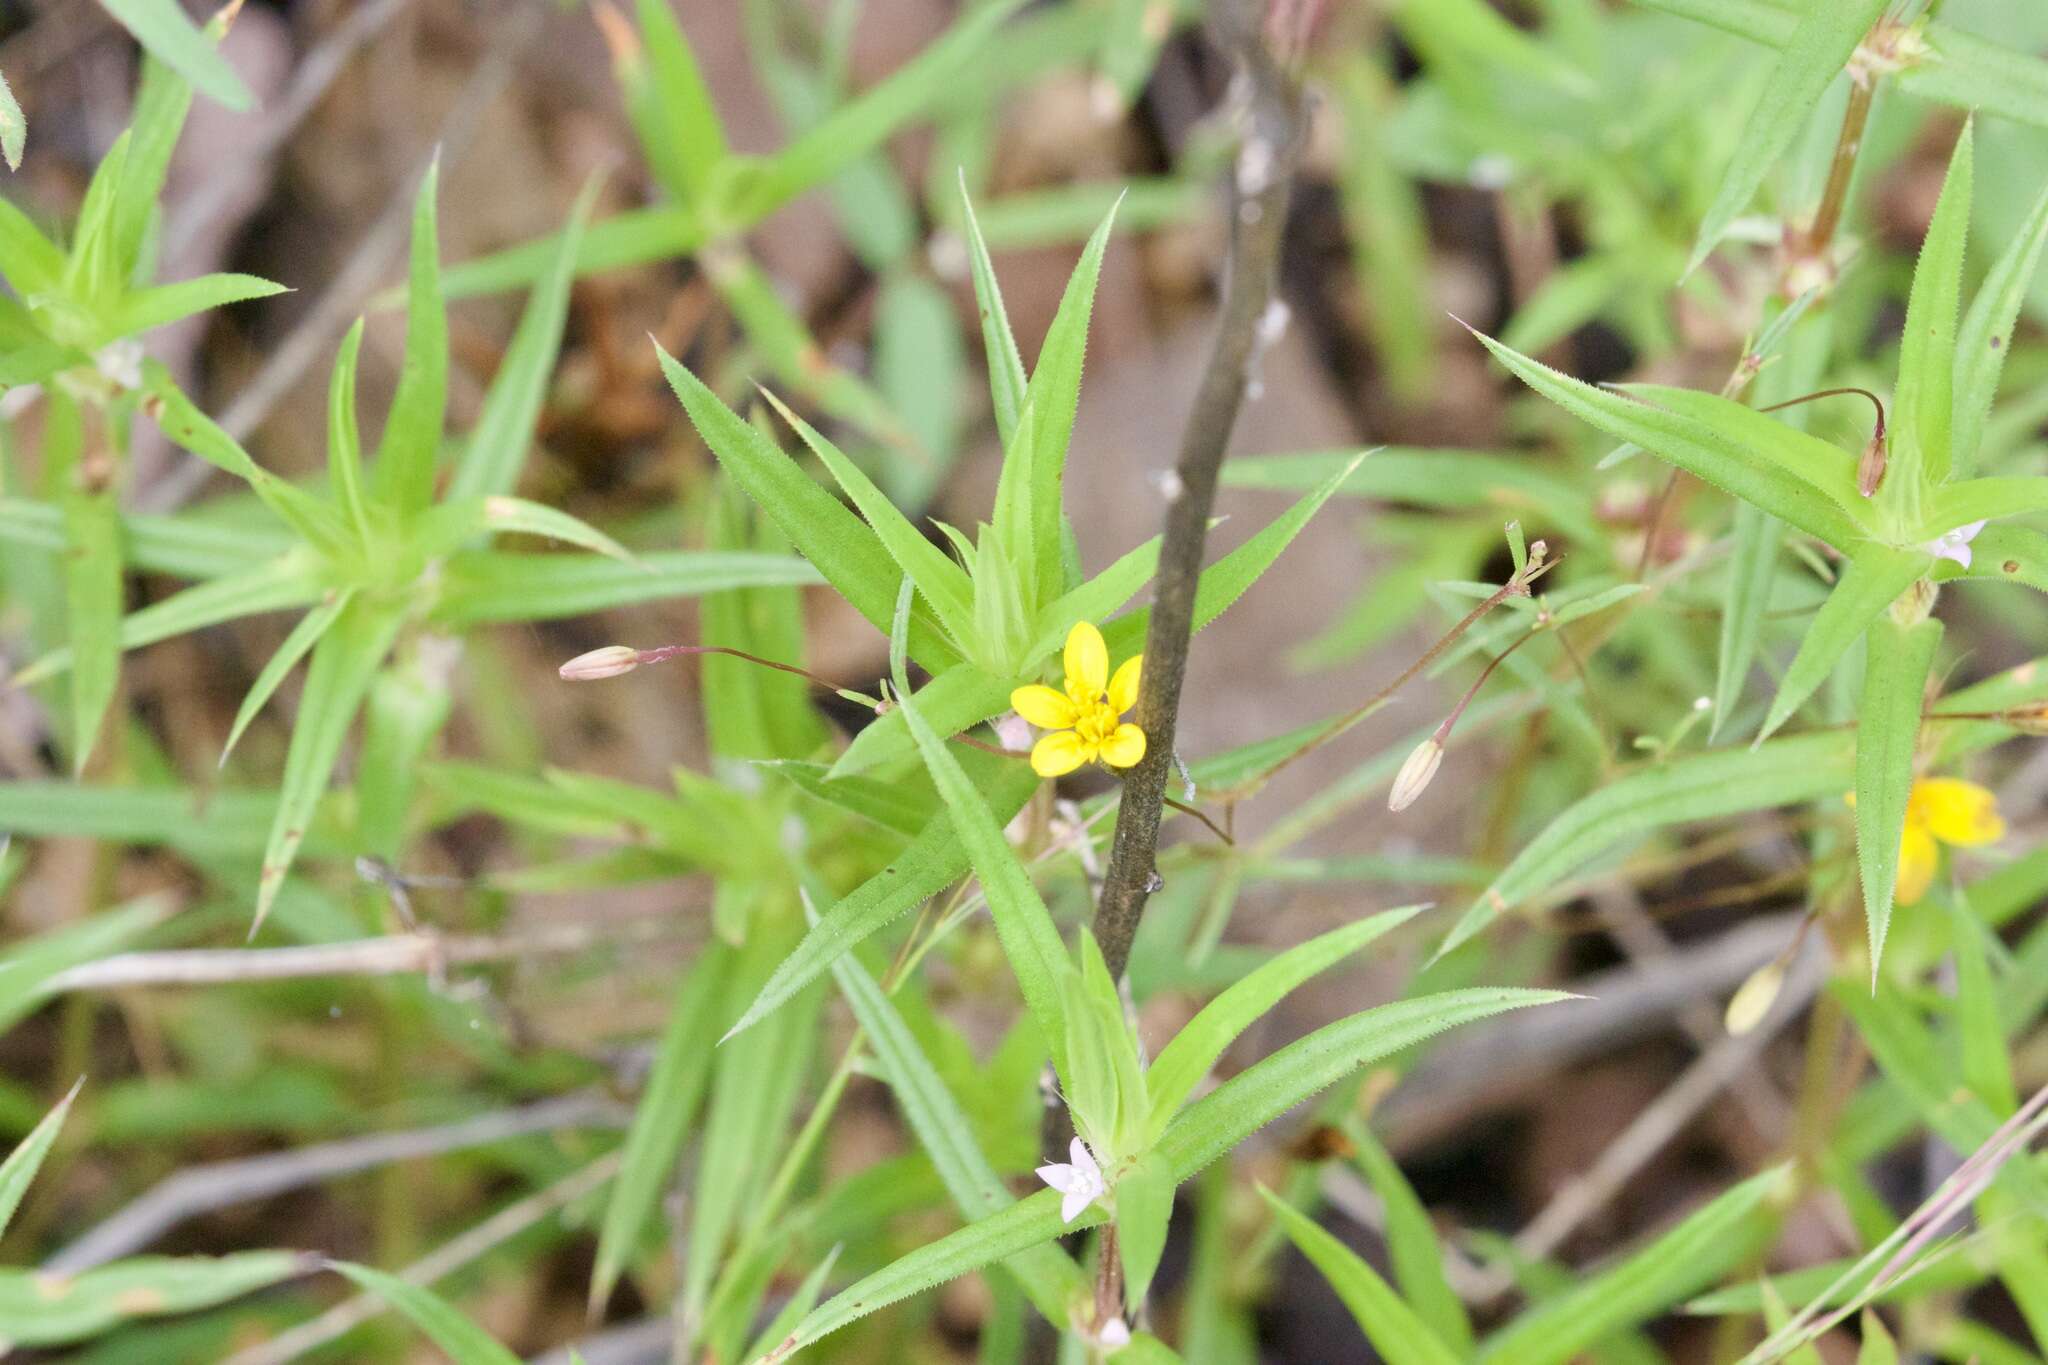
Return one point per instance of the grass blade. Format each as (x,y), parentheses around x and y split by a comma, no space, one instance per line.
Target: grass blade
(464,1341)
(1924,406)
(27,1158)
(46,1310)
(1815,52)
(411,444)
(1692,1255)
(1391,1325)
(932,861)
(498,444)
(1869,583)
(943,1130)
(1182,1063)
(344,661)
(668,1103)
(1700,786)
(1895,672)
(167,35)
(1702,450)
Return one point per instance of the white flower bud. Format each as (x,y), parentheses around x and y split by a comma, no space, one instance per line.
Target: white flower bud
(1753,998)
(1415,774)
(608,662)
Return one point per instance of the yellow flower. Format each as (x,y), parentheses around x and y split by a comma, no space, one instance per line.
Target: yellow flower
(1085,720)
(1942,810)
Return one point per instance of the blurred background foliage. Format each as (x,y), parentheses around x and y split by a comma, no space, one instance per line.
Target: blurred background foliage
(529,909)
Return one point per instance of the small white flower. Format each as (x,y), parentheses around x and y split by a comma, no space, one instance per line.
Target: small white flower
(1954,544)
(1079,1179)
(1114,1336)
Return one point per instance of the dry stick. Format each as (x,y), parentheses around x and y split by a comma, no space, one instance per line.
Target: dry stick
(442,1261)
(332,311)
(204,1189)
(388,955)
(1644,940)
(1723,1064)
(315,73)
(1264,173)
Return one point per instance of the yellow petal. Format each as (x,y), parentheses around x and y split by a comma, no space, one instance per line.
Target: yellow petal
(1043,707)
(1957,812)
(1918,854)
(1087,661)
(1125,747)
(1123,687)
(1059,753)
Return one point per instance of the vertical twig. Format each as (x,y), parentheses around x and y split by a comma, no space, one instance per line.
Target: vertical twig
(1272,113)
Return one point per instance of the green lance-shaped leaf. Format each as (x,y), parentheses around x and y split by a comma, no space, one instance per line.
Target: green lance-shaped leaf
(1985,336)
(1877,1348)
(862,124)
(411,444)
(1958,69)
(1692,1255)
(183,423)
(1006,378)
(91,570)
(448,525)
(1924,404)
(1895,672)
(942,583)
(1870,581)
(27,1158)
(290,581)
(902,808)
(634,237)
(162,101)
(31,262)
(1709,449)
(755,1085)
(689,131)
(1144,1210)
(1390,1324)
(490,585)
(1817,50)
(662,1119)
(946,1134)
(844,549)
(1097,598)
(1027,510)
(173,39)
(1957,504)
(344,439)
(464,1341)
(13,127)
(27,967)
(1262,1092)
(1753,562)
(407,706)
(1204,1131)
(50,1310)
(313,625)
(1986,1065)
(1700,786)
(1412,1245)
(163,304)
(1182,1063)
(344,661)
(498,443)
(1023,924)
(931,862)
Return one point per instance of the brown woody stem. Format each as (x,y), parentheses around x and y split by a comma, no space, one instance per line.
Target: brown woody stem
(1264,172)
